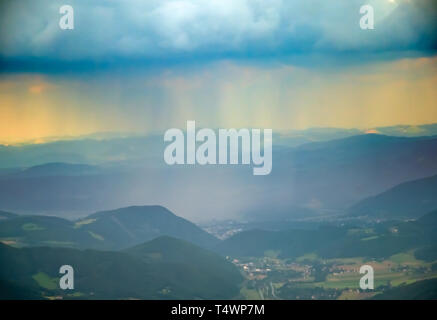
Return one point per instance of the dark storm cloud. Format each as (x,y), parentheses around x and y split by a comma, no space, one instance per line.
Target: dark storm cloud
(154,32)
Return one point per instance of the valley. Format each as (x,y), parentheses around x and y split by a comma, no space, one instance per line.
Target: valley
(321,261)
(290,235)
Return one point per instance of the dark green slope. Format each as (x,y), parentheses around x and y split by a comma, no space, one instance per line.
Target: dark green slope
(429,223)
(429,219)
(290,243)
(9,290)
(170,249)
(129,226)
(421,290)
(408,200)
(7,215)
(116,275)
(207,270)
(106,275)
(45,231)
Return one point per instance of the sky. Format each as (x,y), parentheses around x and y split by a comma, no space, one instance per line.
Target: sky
(146,66)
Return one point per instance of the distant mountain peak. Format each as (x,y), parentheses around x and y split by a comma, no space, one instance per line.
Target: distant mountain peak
(58,169)
(137,209)
(134,224)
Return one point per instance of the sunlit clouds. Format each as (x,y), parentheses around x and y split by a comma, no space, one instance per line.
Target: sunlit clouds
(221,94)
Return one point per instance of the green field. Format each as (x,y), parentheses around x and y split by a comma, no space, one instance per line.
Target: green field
(45,281)
(96,236)
(308,257)
(250,294)
(31,227)
(405,258)
(81,223)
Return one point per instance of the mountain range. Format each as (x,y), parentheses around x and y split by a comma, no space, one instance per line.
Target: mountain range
(311,179)
(134,253)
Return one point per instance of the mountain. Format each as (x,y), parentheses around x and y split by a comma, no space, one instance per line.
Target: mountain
(129,226)
(114,147)
(334,175)
(294,138)
(117,275)
(111,230)
(199,264)
(57,169)
(409,130)
(90,149)
(408,200)
(312,179)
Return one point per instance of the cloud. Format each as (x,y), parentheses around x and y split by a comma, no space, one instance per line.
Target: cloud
(224,95)
(211,29)
(39,86)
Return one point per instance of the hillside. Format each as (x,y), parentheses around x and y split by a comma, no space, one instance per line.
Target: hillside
(7,215)
(115,275)
(429,219)
(45,231)
(111,230)
(379,241)
(421,290)
(129,226)
(408,200)
(198,263)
